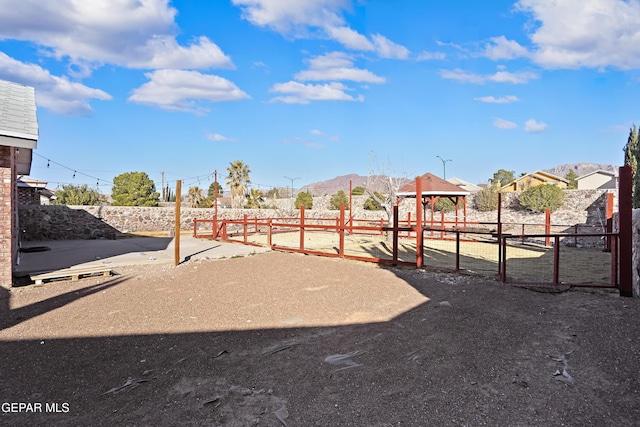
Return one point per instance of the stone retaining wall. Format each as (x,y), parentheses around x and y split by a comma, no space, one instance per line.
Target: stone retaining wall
(87,222)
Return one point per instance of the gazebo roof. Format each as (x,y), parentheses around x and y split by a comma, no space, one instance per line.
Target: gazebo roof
(432,186)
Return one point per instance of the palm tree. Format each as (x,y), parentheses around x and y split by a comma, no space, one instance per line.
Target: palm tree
(255,198)
(195,197)
(238,181)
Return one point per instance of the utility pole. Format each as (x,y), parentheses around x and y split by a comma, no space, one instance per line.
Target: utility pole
(163,195)
(292,179)
(444,167)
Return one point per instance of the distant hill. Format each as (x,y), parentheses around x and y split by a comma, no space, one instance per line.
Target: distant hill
(579,168)
(342,183)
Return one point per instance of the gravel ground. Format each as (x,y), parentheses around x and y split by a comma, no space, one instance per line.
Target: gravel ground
(278,339)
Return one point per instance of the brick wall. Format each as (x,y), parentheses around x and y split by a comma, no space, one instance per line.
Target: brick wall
(8,214)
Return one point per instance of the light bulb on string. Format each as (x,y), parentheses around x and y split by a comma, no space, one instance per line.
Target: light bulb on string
(74,174)
(48,163)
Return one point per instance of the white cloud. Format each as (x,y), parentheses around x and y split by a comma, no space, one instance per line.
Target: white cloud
(336,66)
(534,126)
(320,133)
(428,56)
(304,142)
(349,38)
(179,90)
(388,49)
(502,48)
(585,33)
(135,34)
(499,76)
(316,18)
(501,100)
(504,124)
(216,137)
(298,93)
(57,94)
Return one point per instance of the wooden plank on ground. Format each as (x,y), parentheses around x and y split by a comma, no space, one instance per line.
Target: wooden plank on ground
(73,274)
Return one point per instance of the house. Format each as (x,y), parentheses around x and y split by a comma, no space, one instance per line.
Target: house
(33,191)
(598,180)
(18,137)
(532,179)
(465,185)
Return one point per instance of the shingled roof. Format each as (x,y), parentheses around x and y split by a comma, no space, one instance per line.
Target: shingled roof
(432,186)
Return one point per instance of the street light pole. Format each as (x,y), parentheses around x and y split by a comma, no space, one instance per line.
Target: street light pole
(444,167)
(292,179)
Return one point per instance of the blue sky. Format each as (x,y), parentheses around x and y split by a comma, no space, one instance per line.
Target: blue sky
(313,89)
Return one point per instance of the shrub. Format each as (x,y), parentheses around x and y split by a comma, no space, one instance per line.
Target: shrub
(487,199)
(372,204)
(542,197)
(358,191)
(444,204)
(339,198)
(304,199)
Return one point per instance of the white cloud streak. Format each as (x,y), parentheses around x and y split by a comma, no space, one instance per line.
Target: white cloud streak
(500,76)
(54,93)
(500,100)
(298,93)
(336,66)
(216,137)
(504,124)
(180,90)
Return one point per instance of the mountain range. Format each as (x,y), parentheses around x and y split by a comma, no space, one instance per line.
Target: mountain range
(331,186)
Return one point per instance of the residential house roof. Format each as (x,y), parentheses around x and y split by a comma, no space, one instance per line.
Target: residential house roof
(539,175)
(465,185)
(18,121)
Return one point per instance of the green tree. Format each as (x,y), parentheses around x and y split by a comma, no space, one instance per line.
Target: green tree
(304,199)
(632,158)
(572,177)
(542,197)
(238,181)
(358,191)
(211,192)
(487,199)
(372,204)
(79,195)
(503,177)
(337,199)
(134,189)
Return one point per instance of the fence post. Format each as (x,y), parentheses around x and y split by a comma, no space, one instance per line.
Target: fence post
(269,242)
(547,226)
(457,250)
(341,231)
(419,236)
(244,228)
(503,256)
(556,260)
(625,230)
(195,232)
(613,247)
(395,233)
(301,227)
(575,238)
(441,225)
(500,241)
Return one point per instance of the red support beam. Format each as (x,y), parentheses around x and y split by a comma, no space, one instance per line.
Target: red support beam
(341,231)
(301,227)
(395,233)
(547,226)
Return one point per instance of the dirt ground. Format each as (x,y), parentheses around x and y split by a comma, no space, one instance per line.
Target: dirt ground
(279,339)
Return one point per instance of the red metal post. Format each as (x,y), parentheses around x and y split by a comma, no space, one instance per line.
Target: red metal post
(350,206)
(215,204)
(195,227)
(613,246)
(301,227)
(441,224)
(547,226)
(625,230)
(341,231)
(419,241)
(500,241)
(395,233)
(269,235)
(457,250)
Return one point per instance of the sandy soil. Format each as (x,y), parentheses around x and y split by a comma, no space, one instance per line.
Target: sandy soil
(279,339)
